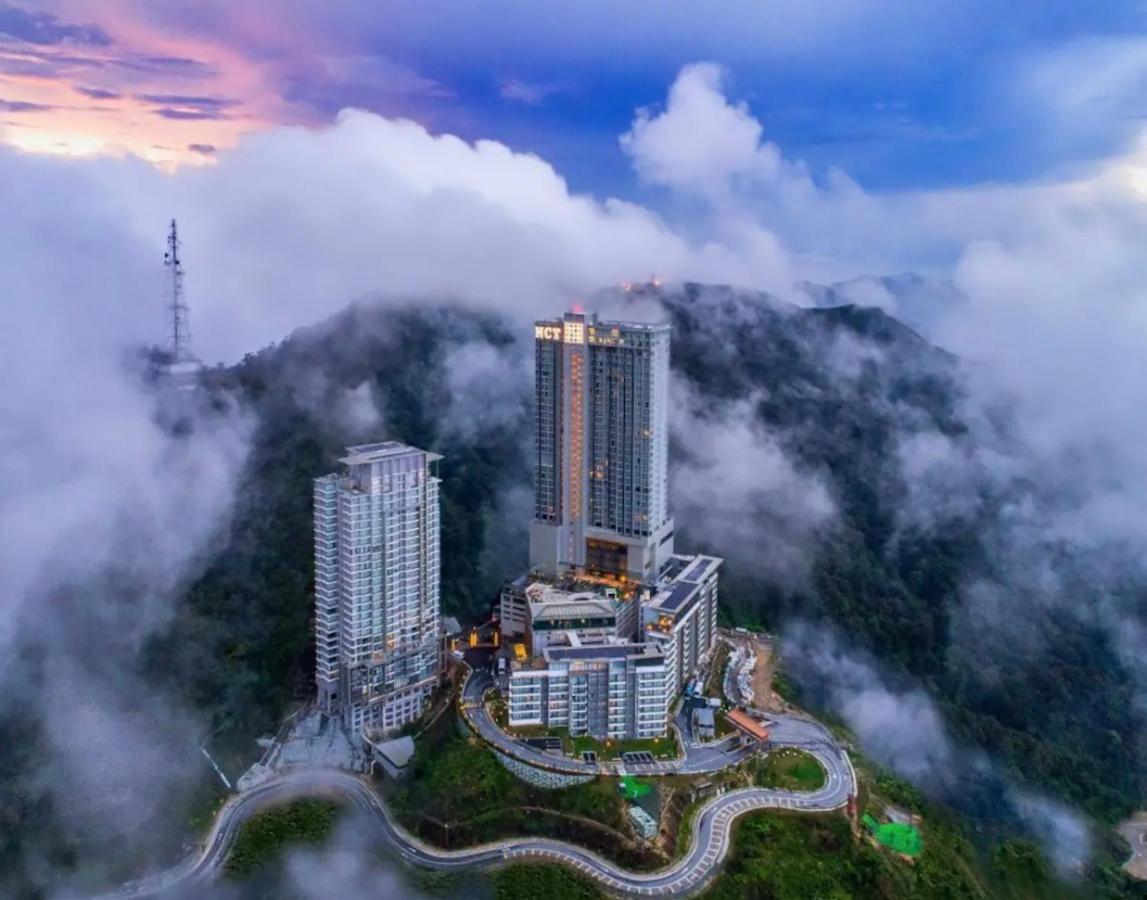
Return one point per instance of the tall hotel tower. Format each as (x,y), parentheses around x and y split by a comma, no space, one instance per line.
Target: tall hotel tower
(601,448)
(377,586)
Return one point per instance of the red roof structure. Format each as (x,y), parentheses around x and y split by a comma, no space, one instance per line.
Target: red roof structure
(748,725)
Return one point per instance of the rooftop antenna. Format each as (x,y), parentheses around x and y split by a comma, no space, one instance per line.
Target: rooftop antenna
(180,324)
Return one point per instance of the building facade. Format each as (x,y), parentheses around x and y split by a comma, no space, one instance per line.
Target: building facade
(377,570)
(615,691)
(680,615)
(601,447)
(615,622)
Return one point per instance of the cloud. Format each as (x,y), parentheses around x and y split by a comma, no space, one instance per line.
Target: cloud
(20,106)
(349,866)
(901,729)
(733,485)
(1064,836)
(97,93)
(44,28)
(188,100)
(106,513)
(189,115)
(376,207)
(203,149)
(700,141)
(531,93)
(488,387)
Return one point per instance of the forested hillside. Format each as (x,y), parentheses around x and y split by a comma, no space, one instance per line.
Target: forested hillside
(840,391)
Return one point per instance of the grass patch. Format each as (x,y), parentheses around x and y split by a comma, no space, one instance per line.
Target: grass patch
(791,770)
(795,858)
(457,794)
(661,748)
(722,727)
(524,881)
(264,836)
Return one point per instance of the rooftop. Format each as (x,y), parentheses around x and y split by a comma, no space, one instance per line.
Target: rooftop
(676,597)
(573,608)
(398,752)
(747,724)
(600,651)
(536,585)
(368,453)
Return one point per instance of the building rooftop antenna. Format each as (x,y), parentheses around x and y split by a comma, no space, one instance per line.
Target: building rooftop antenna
(180,335)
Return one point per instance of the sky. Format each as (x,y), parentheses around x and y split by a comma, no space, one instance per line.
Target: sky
(913,96)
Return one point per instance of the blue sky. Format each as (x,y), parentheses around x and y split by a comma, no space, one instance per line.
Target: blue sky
(900,96)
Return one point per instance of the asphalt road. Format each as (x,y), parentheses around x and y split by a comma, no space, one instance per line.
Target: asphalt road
(711,831)
(698,759)
(711,827)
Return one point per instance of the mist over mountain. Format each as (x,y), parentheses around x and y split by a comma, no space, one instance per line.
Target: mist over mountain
(919,301)
(846,468)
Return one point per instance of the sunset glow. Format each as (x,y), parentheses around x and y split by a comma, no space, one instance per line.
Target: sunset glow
(119,86)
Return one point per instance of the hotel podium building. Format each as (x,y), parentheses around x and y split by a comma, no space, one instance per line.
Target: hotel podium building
(612,623)
(377,586)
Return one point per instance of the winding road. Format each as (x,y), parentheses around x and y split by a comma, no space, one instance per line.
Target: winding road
(712,828)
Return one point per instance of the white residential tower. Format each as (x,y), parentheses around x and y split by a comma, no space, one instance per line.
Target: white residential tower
(377,586)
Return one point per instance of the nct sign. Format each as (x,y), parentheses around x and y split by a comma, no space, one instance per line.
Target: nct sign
(569,332)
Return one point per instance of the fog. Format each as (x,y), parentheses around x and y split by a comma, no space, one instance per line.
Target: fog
(899,727)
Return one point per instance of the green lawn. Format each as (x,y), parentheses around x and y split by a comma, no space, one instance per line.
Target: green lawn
(790,769)
(263,837)
(662,748)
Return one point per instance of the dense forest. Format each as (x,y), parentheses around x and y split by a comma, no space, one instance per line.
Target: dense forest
(457,381)
(1065,721)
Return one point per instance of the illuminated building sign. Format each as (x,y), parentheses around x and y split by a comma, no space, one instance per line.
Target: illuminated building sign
(548,332)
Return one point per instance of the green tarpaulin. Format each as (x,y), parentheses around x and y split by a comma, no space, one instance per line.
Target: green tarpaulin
(634,789)
(901,838)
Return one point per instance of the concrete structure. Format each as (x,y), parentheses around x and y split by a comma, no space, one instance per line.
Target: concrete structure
(610,691)
(680,614)
(394,756)
(539,602)
(377,586)
(643,823)
(601,447)
(543,778)
(704,723)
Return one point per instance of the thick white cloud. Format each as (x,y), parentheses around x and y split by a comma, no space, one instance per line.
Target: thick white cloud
(294,224)
(700,141)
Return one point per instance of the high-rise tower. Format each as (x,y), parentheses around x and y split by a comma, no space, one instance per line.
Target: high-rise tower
(377,586)
(601,447)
